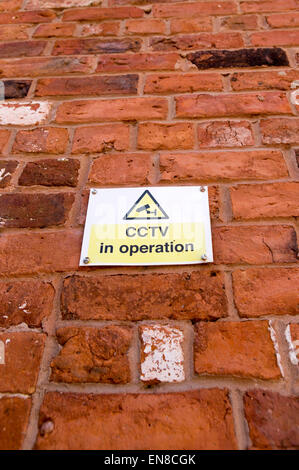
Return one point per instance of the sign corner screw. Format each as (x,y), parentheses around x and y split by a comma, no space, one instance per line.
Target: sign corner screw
(204,257)
(202,188)
(86,260)
(94,191)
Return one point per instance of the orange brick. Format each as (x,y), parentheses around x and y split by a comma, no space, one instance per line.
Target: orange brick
(191,25)
(54,30)
(43,140)
(182,83)
(135,62)
(146,26)
(102,139)
(225,134)
(13,32)
(239,22)
(98,14)
(39,66)
(14,417)
(268,5)
(275,38)
(156,136)
(193,10)
(280,131)
(196,41)
(280,80)
(287,20)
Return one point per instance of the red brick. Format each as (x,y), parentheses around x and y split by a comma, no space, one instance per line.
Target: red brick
(42,140)
(13,32)
(275,38)
(60,172)
(147,26)
(38,66)
(265,200)
(110,28)
(182,83)
(20,210)
(23,253)
(97,14)
(279,80)
(101,139)
(254,244)
(179,296)
(122,169)
(22,49)
(38,16)
(10,5)
(4,138)
(54,30)
(93,355)
(129,109)
(95,46)
(196,41)
(191,25)
(242,349)
(135,62)
(261,291)
(98,86)
(225,134)
(280,131)
(28,302)
(239,22)
(198,106)
(225,166)
(157,136)
(14,418)
(287,20)
(268,5)
(7,168)
(215,203)
(273,419)
(152,421)
(23,353)
(193,10)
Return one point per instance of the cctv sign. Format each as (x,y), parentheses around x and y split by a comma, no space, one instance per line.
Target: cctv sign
(147,226)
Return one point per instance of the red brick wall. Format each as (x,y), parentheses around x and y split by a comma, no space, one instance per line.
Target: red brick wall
(136,92)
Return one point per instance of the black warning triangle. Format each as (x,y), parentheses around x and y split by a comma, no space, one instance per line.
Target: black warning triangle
(145,208)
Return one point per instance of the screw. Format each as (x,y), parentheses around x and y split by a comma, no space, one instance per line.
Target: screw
(202,188)
(94,191)
(86,260)
(204,257)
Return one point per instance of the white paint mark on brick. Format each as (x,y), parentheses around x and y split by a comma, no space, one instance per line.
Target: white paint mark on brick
(61,3)
(24,304)
(163,354)
(293,352)
(2,352)
(3,174)
(24,114)
(274,340)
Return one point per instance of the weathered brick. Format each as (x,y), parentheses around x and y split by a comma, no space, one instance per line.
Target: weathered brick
(161,357)
(106,138)
(122,169)
(239,22)
(97,14)
(98,86)
(34,210)
(157,136)
(265,200)
(23,352)
(10,5)
(23,253)
(60,172)
(273,419)
(185,296)
(255,244)
(262,291)
(225,166)
(7,168)
(93,355)
(275,38)
(279,80)
(191,25)
(55,30)
(279,131)
(215,204)
(38,66)
(14,89)
(292,337)
(128,109)
(182,83)
(274,57)
(287,20)
(95,46)
(242,349)
(197,106)
(195,41)
(192,10)
(152,421)
(4,138)
(37,16)
(24,113)
(41,140)
(14,418)
(225,134)
(13,32)
(109,28)
(268,5)
(147,26)
(22,49)
(136,62)
(60,3)
(28,302)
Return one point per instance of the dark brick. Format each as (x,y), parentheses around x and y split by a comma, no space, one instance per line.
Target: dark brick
(273,57)
(62,172)
(34,210)
(21,49)
(95,46)
(16,88)
(7,167)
